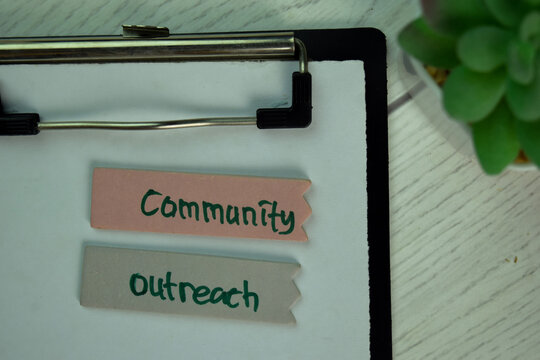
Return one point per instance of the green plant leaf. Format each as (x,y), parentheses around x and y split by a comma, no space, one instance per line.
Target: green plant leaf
(508,12)
(428,46)
(529,30)
(532,3)
(524,100)
(452,17)
(483,48)
(495,140)
(521,57)
(529,137)
(470,96)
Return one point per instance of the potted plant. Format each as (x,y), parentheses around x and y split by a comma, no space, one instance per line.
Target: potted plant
(491,49)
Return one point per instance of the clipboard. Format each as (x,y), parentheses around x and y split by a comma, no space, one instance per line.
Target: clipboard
(336,47)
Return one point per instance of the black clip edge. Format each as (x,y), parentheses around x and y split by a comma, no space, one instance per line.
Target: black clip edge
(296,116)
(18,124)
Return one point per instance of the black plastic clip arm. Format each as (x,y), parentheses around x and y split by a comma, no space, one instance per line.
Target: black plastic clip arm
(18,124)
(296,116)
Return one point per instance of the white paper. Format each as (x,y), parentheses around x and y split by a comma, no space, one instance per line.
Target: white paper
(45,206)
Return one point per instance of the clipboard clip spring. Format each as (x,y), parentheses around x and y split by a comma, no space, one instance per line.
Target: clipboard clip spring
(150,43)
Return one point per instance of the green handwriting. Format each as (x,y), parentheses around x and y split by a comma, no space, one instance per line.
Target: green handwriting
(267,213)
(163,288)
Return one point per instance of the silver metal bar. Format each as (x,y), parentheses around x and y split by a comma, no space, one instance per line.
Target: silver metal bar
(302,55)
(156,125)
(169,48)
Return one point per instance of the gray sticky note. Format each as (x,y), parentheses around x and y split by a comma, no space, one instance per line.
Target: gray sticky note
(188,284)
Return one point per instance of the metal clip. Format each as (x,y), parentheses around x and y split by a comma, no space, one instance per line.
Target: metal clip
(144,31)
(143,43)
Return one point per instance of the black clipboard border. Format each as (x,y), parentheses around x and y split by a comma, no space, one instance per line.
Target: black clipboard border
(368,45)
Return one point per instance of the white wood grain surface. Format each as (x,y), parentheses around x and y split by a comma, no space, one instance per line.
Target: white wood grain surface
(465,247)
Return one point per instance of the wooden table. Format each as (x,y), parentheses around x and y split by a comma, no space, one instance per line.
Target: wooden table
(465,247)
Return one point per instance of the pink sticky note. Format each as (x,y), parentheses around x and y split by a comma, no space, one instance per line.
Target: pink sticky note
(199,204)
